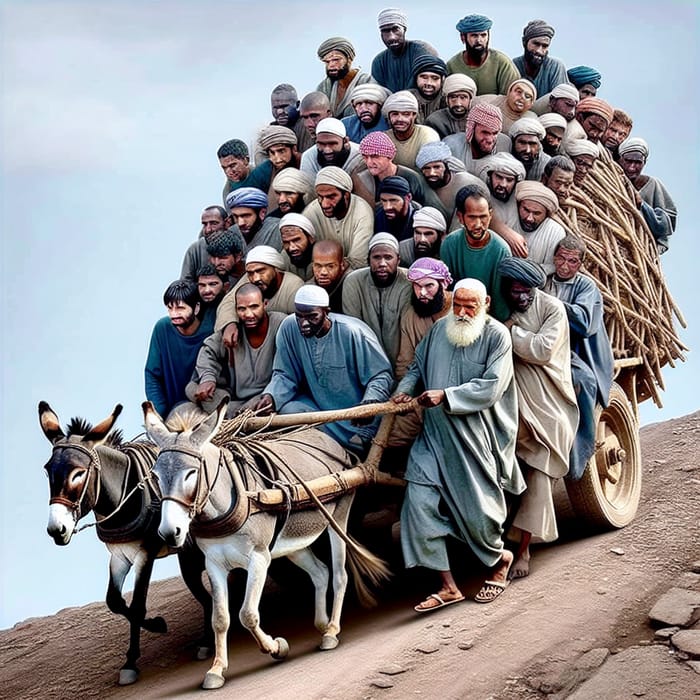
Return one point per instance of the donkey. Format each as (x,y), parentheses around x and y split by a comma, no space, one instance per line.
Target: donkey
(90,469)
(210,492)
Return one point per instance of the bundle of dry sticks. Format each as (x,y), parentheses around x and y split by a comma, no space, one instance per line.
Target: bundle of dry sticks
(622,258)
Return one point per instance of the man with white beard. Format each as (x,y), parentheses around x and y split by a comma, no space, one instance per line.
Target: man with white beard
(455,487)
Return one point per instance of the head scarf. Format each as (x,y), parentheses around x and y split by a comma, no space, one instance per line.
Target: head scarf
(293,180)
(584,75)
(486,115)
(265,254)
(391,16)
(522,270)
(432,152)
(634,143)
(427,63)
(474,23)
(581,147)
(527,125)
(370,93)
(331,125)
(502,163)
(298,220)
(337,43)
(566,91)
(535,28)
(552,120)
(312,295)
(401,101)
(383,238)
(377,143)
(250,197)
(527,83)
(457,82)
(274,135)
(595,105)
(395,184)
(430,217)
(335,177)
(473,285)
(537,192)
(429,267)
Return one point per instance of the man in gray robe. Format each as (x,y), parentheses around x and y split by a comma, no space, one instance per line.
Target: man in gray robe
(213,221)
(545,71)
(248,208)
(455,486)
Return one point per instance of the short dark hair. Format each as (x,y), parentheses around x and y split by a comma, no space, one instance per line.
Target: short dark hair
(285,89)
(228,242)
(475,190)
(207,270)
(570,242)
(234,147)
(220,210)
(562,162)
(247,288)
(181,290)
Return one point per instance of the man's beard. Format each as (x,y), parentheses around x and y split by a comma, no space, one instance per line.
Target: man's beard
(342,72)
(462,332)
(370,118)
(501,196)
(302,259)
(337,159)
(440,183)
(534,59)
(432,251)
(477,54)
(381,282)
(430,308)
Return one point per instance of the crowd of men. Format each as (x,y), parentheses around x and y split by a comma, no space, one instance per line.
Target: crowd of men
(390,236)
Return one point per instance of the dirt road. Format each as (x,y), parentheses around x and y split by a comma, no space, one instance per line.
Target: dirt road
(542,638)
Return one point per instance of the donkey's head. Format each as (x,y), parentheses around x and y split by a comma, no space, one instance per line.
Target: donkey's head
(72,468)
(178,469)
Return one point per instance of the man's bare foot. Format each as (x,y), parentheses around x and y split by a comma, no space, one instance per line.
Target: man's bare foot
(502,569)
(521,568)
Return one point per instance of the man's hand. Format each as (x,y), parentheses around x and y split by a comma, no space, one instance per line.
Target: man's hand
(431,398)
(401,397)
(509,322)
(205,391)
(230,338)
(264,405)
(516,242)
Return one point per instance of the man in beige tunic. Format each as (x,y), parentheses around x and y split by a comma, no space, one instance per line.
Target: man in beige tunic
(401,111)
(548,413)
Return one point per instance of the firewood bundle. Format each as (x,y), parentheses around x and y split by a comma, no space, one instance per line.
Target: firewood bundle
(623,259)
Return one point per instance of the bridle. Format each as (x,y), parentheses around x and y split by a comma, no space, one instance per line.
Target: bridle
(93,465)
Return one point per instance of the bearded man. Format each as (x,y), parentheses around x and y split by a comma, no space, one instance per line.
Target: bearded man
(429,74)
(248,208)
(455,487)
(526,136)
(458,91)
(429,229)
(545,71)
(401,111)
(293,190)
(583,154)
(332,148)
(298,240)
(502,172)
(366,101)
(554,130)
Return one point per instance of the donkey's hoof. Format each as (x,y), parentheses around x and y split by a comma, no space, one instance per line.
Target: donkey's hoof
(328,642)
(156,624)
(127,676)
(282,648)
(203,652)
(212,681)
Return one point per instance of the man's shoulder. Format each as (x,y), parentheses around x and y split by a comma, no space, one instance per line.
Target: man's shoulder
(276,319)
(357,277)
(359,206)
(454,140)
(497,56)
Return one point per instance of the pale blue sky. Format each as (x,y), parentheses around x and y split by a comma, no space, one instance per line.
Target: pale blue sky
(111,116)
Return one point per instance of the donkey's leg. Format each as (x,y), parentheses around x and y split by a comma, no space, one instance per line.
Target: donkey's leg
(191,560)
(318,573)
(220,620)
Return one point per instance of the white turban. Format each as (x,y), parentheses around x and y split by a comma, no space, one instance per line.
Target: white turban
(502,163)
(331,125)
(567,91)
(552,120)
(634,143)
(458,82)
(265,254)
(581,147)
(529,126)
(370,93)
(391,16)
(312,295)
(472,284)
(383,238)
(537,192)
(335,177)
(298,220)
(401,101)
(430,217)
(293,180)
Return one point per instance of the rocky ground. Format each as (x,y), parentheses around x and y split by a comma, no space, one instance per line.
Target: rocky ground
(611,615)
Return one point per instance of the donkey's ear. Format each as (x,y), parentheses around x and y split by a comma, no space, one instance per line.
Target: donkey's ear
(206,430)
(156,429)
(49,423)
(99,433)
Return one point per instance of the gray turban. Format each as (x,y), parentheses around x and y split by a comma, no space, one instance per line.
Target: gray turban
(457,82)
(335,177)
(274,135)
(369,92)
(502,163)
(337,43)
(538,27)
(430,217)
(522,270)
(391,16)
(432,152)
(527,125)
(383,238)
(293,180)
(265,254)
(634,143)
(401,101)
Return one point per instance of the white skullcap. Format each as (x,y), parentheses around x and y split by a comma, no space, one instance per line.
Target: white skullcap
(473,285)
(552,120)
(265,254)
(331,125)
(391,16)
(581,147)
(401,101)
(458,82)
(298,220)
(430,217)
(529,126)
(312,295)
(567,91)
(335,177)
(383,238)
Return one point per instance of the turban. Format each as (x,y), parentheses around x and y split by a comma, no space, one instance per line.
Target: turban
(293,180)
(429,267)
(312,295)
(331,125)
(566,91)
(581,147)
(552,120)
(432,152)
(337,43)
(274,135)
(335,177)
(472,284)
(395,184)
(486,115)
(383,238)
(582,75)
(228,242)
(265,254)
(250,197)
(535,28)
(473,23)
(522,270)
(391,16)
(369,92)
(527,125)
(427,63)
(457,82)
(401,101)
(537,192)
(594,105)
(634,144)
(298,220)
(502,163)
(377,143)
(527,83)
(429,217)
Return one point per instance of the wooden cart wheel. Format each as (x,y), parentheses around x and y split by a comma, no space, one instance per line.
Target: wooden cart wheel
(607,495)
